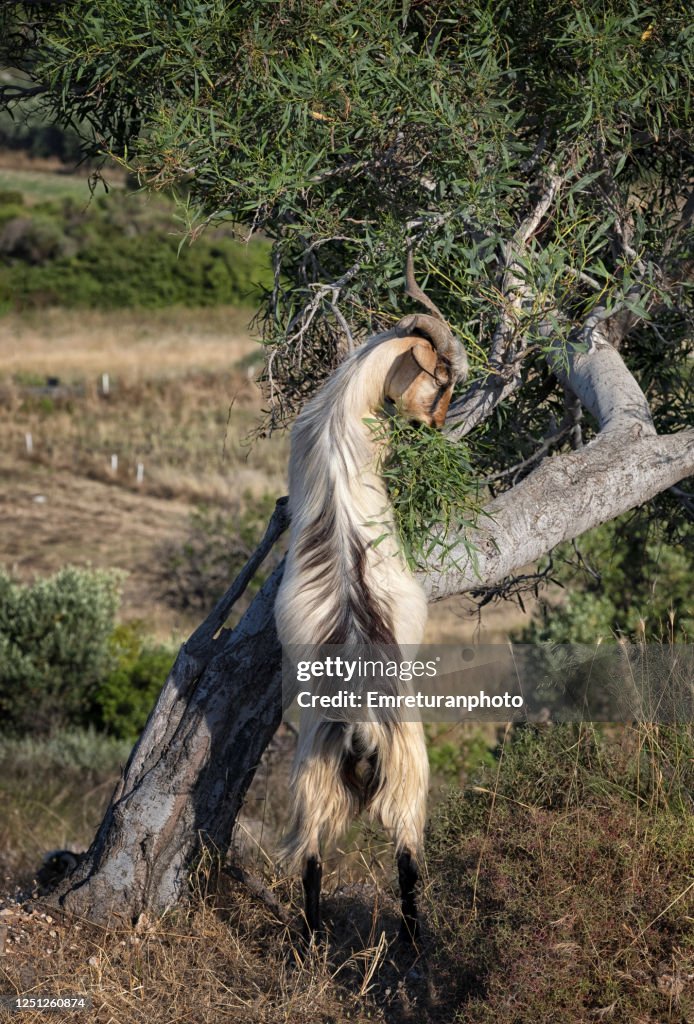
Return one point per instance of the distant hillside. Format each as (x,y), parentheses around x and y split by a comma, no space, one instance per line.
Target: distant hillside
(115,250)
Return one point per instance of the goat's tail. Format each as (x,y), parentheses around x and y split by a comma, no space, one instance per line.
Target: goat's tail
(341,769)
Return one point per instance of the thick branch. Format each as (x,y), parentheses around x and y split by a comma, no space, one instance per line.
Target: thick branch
(626,465)
(604,386)
(564,497)
(478,403)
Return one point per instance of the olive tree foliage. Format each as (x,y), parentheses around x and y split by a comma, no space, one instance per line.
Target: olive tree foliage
(537,158)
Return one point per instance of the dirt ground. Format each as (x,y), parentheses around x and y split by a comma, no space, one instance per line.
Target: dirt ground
(50,519)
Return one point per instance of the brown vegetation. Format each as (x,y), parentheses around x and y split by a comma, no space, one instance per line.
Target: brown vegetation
(561,894)
(182,401)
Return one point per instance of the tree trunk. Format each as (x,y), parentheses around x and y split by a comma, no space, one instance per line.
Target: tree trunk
(186,778)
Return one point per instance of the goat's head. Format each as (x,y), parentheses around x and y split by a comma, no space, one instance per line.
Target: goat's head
(430,363)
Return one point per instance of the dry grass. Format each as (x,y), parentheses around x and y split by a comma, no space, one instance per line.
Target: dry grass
(562,887)
(53,792)
(558,890)
(132,345)
(182,402)
(225,959)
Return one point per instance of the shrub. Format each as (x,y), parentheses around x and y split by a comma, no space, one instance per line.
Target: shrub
(124,699)
(10,197)
(637,582)
(54,647)
(33,240)
(456,754)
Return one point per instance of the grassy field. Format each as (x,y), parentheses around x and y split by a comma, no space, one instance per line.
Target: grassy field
(557,888)
(182,401)
(46,179)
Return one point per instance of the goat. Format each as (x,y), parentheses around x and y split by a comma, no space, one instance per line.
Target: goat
(345,583)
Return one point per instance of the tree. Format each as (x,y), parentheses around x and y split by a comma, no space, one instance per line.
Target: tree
(538,160)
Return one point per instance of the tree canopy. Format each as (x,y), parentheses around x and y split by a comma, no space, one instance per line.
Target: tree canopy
(539,160)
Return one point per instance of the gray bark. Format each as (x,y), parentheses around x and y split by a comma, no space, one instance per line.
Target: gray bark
(564,497)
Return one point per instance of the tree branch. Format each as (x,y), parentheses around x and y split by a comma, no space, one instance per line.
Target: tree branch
(483,396)
(207,630)
(626,465)
(564,497)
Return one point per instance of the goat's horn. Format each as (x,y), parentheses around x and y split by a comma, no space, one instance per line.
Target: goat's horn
(435,327)
(415,292)
(442,338)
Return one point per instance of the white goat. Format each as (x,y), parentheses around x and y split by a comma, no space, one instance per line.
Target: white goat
(342,587)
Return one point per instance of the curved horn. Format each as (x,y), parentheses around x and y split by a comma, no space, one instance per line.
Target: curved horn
(415,292)
(448,346)
(435,327)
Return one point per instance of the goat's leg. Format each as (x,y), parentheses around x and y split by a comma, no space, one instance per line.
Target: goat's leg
(399,803)
(408,875)
(311,877)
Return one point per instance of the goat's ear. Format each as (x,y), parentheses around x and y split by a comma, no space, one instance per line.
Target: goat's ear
(407,367)
(425,357)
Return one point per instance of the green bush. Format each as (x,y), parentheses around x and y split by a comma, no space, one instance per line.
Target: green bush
(11,197)
(33,239)
(453,757)
(54,647)
(64,662)
(120,251)
(124,699)
(637,583)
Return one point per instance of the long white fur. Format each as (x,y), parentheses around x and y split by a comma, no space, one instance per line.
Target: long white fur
(339,506)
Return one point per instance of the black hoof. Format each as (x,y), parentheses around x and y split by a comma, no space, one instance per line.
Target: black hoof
(311,943)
